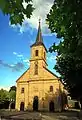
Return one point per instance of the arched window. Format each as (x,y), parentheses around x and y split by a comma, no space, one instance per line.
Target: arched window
(36,68)
(22,90)
(51,88)
(36,53)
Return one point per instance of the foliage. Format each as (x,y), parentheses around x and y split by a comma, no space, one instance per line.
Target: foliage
(8,96)
(65,19)
(16,10)
(4,96)
(12,88)
(12,93)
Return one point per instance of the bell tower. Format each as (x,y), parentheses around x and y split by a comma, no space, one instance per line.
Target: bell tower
(38,52)
(38,49)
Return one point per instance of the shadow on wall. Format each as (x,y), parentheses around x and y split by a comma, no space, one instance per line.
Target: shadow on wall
(59,98)
(52,101)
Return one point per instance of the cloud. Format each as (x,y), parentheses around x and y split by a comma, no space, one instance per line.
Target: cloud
(21,57)
(18,55)
(14,67)
(27,61)
(14,53)
(42,8)
(18,66)
(5,64)
(51,58)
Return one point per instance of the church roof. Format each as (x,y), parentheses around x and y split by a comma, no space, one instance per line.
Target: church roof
(39,39)
(22,74)
(51,72)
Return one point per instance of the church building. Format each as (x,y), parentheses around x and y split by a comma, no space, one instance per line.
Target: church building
(38,88)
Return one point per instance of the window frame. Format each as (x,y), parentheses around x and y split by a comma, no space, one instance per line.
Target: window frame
(22,90)
(36,68)
(51,88)
(36,53)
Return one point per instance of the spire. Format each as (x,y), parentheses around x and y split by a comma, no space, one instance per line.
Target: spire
(39,39)
(39,35)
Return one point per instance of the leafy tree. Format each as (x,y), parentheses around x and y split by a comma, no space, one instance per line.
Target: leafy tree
(4,96)
(13,88)
(12,93)
(16,10)
(7,99)
(65,19)
(4,99)
(12,97)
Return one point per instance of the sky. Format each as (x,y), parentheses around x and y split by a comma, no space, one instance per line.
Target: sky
(15,42)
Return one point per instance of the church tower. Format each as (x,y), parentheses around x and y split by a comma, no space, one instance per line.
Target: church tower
(38,54)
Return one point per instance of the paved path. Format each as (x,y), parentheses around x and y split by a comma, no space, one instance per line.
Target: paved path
(72,115)
(45,117)
(60,116)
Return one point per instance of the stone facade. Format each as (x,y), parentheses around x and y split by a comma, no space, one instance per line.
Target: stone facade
(38,88)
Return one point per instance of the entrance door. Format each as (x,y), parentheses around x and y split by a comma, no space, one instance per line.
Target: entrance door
(35,103)
(22,106)
(51,106)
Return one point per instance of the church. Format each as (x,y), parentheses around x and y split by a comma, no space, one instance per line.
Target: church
(38,89)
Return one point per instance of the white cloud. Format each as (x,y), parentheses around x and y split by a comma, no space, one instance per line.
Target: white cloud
(42,8)
(24,4)
(18,55)
(12,65)
(51,58)
(14,53)
(21,57)
(27,61)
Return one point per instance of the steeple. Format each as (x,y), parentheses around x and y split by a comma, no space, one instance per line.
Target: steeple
(39,39)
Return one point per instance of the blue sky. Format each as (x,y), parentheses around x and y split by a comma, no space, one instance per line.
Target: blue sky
(15,49)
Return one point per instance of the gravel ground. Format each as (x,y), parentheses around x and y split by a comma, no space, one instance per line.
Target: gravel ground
(69,115)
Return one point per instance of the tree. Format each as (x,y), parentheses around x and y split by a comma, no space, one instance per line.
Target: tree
(3,96)
(12,93)
(12,97)
(7,99)
(13,88)
(16,10)
(4,99)
(65,19)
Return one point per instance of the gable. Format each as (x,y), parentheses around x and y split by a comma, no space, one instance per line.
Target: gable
(49,75)
(24,76)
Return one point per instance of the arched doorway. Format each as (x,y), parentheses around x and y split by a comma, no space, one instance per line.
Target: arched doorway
(22,106)
(35,103)
(51,106)
(12,105)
